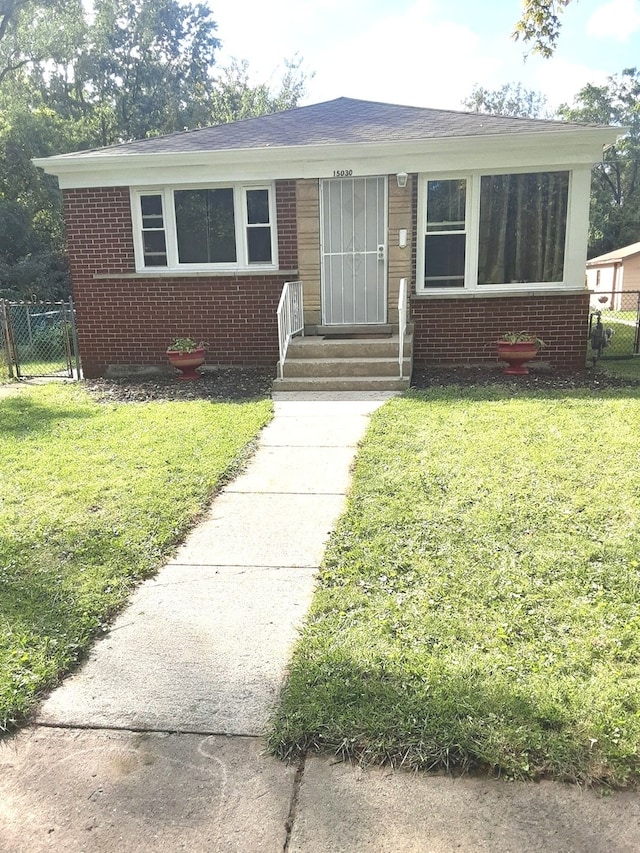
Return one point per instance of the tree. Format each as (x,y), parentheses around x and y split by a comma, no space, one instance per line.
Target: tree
(33,31)
(70,80)
(32,251)
(615,193)
(511,99)
(144,67)
(540,25)
(235,98)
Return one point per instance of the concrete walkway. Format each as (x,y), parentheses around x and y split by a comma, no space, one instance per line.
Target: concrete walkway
(156,743)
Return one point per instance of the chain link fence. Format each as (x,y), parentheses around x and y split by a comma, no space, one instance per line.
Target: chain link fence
(614,325)
(39,339)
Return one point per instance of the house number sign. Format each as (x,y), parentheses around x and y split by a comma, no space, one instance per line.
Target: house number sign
(342,173)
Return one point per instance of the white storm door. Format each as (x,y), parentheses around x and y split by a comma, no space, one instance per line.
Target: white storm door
(353,248)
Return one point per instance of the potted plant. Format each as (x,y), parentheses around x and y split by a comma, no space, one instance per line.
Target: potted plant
(517,348)
(187,356)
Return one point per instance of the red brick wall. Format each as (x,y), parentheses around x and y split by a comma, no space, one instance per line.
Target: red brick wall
(131,320)
(464,331)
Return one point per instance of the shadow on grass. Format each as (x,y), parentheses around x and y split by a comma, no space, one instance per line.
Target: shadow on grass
(21,415)
(461,721)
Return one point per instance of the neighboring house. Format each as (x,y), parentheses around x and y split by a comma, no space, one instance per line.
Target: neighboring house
(196,233)
(614,279)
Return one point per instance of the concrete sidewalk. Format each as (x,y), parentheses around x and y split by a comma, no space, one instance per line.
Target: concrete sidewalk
(156,743)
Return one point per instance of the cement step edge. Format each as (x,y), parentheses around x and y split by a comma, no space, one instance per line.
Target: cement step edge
(340,383)
(356,367)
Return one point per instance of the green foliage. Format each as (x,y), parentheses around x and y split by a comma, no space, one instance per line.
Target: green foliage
(35,31)
(235,98)
(71,81)
(93,498)
(185,345)
(615,195)
(512,99)
(142,68)
(540,25)
(478,602)
(522,338)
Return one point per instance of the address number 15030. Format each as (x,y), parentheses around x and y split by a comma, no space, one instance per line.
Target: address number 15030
(342,173)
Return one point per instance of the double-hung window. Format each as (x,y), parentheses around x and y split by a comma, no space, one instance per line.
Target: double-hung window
(446,238)
(217,228)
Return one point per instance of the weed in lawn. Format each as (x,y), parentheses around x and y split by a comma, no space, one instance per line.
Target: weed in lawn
(92,498)
(479,599)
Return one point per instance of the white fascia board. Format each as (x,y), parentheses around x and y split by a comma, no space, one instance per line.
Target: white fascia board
(563,148)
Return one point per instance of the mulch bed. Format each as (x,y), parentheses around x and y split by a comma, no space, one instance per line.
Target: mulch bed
(235,384)
(491,374)
(224,385)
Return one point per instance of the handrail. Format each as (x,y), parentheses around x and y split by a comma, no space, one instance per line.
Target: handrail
(402,322)
(290,318)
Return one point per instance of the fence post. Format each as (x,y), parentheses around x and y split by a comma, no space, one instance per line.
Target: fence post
(5,338)
(74,336)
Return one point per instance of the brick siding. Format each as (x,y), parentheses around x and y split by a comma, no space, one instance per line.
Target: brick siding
(130,320)
(465,331)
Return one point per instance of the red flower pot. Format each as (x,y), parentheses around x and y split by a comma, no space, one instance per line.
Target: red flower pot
(516,356)
(187,362)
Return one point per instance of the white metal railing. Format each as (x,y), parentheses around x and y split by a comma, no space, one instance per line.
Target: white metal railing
(402,322)
(290,318)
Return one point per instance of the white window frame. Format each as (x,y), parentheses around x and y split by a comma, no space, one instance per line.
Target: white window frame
(464,231)
(171,236)
(472,230)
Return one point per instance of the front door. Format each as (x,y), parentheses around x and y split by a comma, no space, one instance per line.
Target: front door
(353,247)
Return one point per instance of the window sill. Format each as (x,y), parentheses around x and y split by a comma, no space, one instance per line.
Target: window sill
(163,272)
(555,290)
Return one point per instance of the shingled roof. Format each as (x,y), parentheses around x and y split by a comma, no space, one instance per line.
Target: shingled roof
(341,121)
(616,255)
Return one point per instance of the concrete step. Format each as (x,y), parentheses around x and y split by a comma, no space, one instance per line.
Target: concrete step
(301,367)
(320,347)
(337,362)
(341,383)
(374,329)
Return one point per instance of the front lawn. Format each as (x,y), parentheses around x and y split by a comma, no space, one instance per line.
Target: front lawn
(92,499)
(479,603)
(628,368)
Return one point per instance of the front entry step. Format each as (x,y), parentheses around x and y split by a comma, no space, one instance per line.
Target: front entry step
(340,383)
(347,359)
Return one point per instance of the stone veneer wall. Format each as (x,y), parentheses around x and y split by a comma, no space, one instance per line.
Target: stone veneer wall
(399,263)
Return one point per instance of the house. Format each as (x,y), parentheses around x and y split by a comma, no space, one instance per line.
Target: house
(196,233)
(614,279)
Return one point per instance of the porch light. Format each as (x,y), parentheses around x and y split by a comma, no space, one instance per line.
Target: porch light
(401,178)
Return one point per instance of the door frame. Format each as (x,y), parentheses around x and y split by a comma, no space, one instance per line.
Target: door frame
(385,231)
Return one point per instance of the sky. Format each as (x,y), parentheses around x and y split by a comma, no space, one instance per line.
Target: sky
(428,53)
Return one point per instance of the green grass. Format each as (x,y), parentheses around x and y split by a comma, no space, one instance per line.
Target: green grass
(621,368)
(92,498)
(623,340)
(479,601)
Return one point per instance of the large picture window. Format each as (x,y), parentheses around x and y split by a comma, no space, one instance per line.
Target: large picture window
(523,226)
(205,227)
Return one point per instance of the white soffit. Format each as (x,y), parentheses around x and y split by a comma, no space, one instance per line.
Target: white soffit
(546,149)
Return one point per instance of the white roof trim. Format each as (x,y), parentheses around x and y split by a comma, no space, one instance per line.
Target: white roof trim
(561,149)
